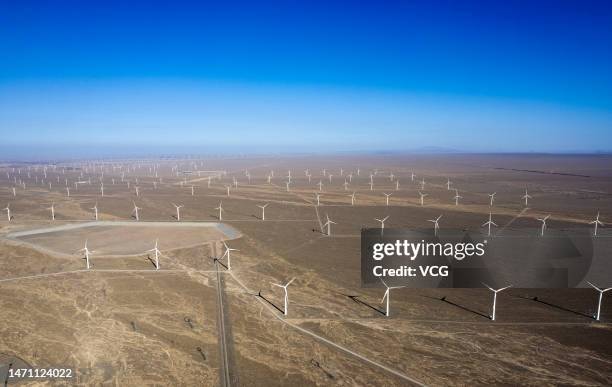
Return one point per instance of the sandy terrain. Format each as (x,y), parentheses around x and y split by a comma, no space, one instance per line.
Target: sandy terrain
(124,323)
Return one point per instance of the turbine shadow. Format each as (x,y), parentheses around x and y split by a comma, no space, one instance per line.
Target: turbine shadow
(151,260)
(269,302)
(216,260)
(358,301)
(443,299)
(536,299)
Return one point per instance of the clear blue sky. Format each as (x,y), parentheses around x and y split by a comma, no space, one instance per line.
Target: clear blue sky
(466,75)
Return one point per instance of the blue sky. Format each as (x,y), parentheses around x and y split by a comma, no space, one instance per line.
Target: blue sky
(288,76)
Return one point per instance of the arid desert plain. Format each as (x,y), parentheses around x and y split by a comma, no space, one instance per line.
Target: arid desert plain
(165,303)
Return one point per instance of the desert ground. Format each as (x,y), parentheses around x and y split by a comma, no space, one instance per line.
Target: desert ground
(199,319)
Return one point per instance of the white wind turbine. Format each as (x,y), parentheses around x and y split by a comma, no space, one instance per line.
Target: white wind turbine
(95,208)
(489,223)
(596,222)
(178,211)
(492,196)
(382,223)
(157,254)
(387,197)
(388,294)
(526,197)
(8,211)
(135,211)
(422,195)
(227,252)
(448,184)
(457,197)
(52,208)
(353,199)
(601,292)
(263,210)
(220,208)
(87,253)
(436,225)
(328,225)
(286,294)
(495,297)
(318,198)
(543,220)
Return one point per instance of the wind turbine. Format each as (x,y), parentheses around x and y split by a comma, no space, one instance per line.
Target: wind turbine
(387,197)
(526,197)
(178,211)
(263,210)
(353,199)
(436,225)
(382,223)
(448,184)
(495,297)
(328,224)
(227,252)
(492,196)
(388,294)
(543,220)
(596,222)
(457,197)
(135,211)
(489,223)
(87,253)
(220,208)
(52,208)
(95,208)
(422,197)
(318,198)
(286,294)
(8,211)
(157,254)
(601,292)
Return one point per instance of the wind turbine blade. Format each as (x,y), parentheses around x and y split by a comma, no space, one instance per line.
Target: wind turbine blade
(289,283)
(384,283)
(490,288)
(385,296)
(594,286)
(509,286)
